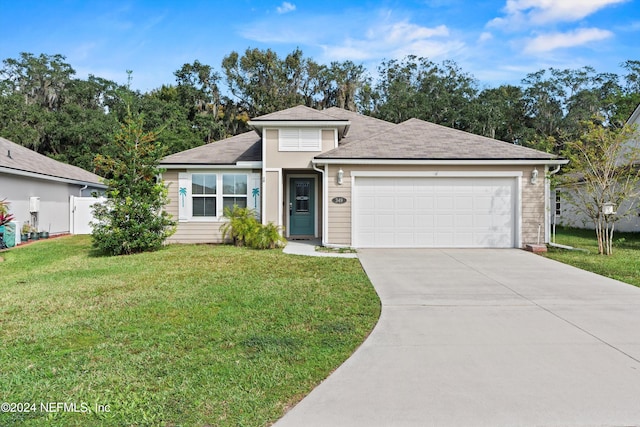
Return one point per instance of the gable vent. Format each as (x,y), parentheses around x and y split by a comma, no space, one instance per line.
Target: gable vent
(300,140)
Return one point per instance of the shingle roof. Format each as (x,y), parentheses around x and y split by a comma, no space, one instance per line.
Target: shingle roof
(417,139)
(367,138)
(361,126)
(298,113)
(245,147)
(16,157)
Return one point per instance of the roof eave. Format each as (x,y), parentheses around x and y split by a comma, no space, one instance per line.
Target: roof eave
(64,180)
(234,165)
(461,162)
(259,125)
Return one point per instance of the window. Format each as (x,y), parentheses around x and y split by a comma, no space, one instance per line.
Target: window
(234,189)
(558,208)
(203,194)
(299,140)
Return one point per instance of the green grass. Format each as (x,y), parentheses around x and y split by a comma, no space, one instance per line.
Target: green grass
(189,335)
(623,265)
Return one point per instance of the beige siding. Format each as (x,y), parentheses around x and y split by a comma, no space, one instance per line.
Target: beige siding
(339,226)
(188,232)
(171,181)
(533,202)
(271,194)
(294,159)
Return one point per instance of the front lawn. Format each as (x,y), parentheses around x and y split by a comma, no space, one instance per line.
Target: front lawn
(189,335)
(623,265)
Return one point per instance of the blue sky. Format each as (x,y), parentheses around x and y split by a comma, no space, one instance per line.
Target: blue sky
(497,41)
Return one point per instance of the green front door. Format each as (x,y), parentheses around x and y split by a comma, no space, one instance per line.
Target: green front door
(301,207)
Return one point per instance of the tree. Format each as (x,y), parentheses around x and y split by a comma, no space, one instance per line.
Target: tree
(262,81)
(418,88)
(603,176)
(132,219)
(41,80)
(500,113)
(198,92)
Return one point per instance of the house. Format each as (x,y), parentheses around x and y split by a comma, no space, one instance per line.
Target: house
(40,189)
(356,181)
(566,214)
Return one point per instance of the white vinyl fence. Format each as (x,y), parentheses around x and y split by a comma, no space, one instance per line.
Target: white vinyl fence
(81,213)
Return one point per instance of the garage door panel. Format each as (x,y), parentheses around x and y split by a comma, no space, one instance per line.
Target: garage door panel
(462,221)
(405,203)
(424,203)
(463,202)
(434,212)
(445,202)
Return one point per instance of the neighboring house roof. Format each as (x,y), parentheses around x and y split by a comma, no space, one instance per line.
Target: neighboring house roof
(634,142)
(19,160)
(245,147)
(417,139)
(635,116)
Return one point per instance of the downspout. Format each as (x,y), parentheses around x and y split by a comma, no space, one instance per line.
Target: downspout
(82,189)
(547,203)
(324,201)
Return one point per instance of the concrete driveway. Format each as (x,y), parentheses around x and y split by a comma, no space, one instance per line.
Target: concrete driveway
(486,337)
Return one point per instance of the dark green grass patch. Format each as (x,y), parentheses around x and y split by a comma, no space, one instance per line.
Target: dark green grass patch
(623,265)
(188,335)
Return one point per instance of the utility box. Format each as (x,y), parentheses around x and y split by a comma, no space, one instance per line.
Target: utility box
(9,234)
(34,204)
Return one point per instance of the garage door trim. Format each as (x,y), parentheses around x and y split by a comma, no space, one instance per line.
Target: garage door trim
(517,196)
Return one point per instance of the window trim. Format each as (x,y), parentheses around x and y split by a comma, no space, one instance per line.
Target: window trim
(204,195)
(185,210)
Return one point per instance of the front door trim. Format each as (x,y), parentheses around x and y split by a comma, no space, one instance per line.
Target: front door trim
(290,177)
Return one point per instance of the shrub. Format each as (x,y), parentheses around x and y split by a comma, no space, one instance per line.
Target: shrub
(242,223)
(266,237)
(245,230)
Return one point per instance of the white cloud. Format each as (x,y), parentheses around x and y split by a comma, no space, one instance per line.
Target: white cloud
(553,41)
(395,40)
(286,7)
(485,36)
(541,12)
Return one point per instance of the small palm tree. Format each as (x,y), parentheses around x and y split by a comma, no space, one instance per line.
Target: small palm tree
(255,193)
(183,194)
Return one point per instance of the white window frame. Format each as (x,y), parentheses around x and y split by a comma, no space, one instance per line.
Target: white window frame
(205,195)
(185,196)
(299,139)
(236,196)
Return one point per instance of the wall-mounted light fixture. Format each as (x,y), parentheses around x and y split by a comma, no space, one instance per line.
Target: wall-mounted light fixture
(534,176)
(340,176)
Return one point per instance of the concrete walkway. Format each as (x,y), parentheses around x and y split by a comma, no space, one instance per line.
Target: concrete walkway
(486,338)
(308,248)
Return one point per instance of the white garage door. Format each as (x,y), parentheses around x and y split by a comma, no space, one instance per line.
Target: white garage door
(434,212)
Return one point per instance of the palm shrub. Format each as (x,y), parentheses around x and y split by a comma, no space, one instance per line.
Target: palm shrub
(240,226)
(244,229)
(266,237)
